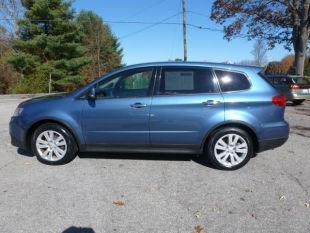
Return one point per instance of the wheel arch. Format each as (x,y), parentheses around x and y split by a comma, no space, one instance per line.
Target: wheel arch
(40,122)
(238,124)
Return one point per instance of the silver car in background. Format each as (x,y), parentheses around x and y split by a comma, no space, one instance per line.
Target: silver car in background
(295,88)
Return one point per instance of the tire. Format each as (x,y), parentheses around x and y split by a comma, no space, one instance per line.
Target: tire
(298,102)
(53,144)
(215,148)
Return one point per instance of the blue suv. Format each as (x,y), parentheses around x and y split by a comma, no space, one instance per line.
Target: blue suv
(226,113)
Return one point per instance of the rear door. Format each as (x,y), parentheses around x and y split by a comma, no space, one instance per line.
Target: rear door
(186,104)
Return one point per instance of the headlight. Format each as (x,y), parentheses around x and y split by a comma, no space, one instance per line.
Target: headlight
(18,111)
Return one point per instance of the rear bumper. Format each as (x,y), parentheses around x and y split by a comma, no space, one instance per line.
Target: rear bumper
(271,144)
(298,96)
(273,135)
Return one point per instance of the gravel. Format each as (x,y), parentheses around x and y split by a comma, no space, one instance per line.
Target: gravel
(156,193)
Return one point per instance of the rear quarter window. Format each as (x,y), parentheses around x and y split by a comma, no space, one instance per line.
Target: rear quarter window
(232,81)
(281,81)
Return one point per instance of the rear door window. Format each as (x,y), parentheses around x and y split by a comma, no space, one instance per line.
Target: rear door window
(232,81)
(186,80)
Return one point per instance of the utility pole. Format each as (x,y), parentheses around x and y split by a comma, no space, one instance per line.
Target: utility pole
(184,30)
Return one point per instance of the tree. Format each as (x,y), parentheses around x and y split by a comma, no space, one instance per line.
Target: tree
(284,66)
(273,68)
(276,21)
(102,46)
(287,64)
(246,63)
(259,52)
(307,67)
(10,12)
(8,77)
(50,43)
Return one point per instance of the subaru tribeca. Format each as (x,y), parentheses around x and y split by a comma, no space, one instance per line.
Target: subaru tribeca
(226,113)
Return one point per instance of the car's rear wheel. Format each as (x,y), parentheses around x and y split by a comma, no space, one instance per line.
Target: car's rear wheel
(298,102)
(229,148)
(53,144)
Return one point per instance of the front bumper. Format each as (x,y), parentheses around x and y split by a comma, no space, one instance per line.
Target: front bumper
(17,133)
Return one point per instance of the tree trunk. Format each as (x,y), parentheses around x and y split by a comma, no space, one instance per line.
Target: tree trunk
(299,64)
(300,47)
(300,40)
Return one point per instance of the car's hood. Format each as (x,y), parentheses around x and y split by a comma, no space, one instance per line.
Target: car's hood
(43,98)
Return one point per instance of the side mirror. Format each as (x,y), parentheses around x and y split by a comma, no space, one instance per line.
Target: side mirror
(92,94)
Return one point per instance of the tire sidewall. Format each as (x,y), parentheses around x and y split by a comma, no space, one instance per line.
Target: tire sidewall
(220,133)
(71,145)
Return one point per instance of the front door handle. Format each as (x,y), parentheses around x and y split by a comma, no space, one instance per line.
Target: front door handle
(138,105)
(211,102)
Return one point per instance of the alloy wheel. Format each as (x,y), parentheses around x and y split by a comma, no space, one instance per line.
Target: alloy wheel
(230,150)
(51,145)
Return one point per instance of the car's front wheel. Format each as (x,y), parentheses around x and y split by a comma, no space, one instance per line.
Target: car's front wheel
(229,148)
(53,144)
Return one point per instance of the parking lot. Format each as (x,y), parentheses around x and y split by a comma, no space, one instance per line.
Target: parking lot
(157,193)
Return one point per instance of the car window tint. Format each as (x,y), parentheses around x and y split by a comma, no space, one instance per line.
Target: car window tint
(186,81)
(129,84)
(232,81)
(280,80)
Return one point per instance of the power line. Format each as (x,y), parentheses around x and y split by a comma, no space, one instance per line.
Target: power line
(198,13)
(148,27)
(151,24)
(184,30)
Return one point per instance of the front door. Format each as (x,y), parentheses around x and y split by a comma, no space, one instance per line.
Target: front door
(119,116)
(186,105)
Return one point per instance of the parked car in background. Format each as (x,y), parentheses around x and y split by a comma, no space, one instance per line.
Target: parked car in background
(295,88)
(226,113)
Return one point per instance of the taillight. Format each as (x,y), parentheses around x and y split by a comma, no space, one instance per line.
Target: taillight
(279,100)
(293,87)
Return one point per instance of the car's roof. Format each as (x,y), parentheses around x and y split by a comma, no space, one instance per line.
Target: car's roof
(243,68)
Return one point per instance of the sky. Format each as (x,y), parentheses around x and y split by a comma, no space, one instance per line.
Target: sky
(164,42)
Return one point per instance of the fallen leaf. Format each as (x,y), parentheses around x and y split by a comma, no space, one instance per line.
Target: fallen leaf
(197,214)
(198,229)
(118,202)
(282,198)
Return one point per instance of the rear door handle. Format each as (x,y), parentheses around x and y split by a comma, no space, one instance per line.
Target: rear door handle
(211,102)
(138,105)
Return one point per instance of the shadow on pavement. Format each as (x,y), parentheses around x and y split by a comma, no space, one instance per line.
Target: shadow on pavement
(78,230)
(134,156)
(24,153)
(145,156)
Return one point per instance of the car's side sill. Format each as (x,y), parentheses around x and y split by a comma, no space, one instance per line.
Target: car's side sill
(132,149)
